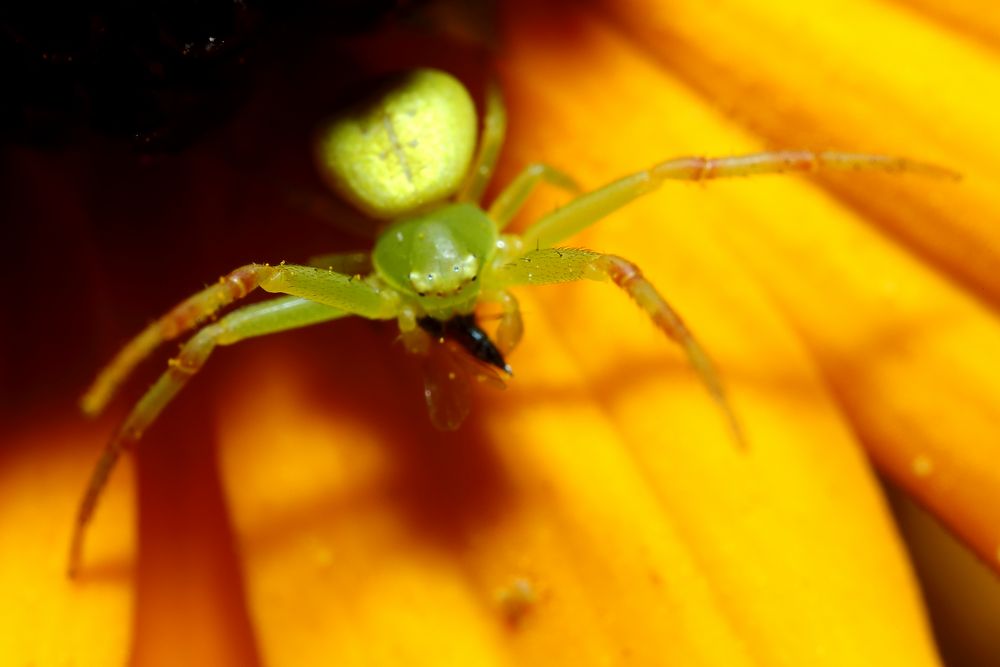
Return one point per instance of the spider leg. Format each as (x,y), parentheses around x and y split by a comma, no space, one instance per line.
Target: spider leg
(559,265)
(181,318)
(248,322)
(511,326)
(490,143)
(591,207)
(508,202)
(333,289)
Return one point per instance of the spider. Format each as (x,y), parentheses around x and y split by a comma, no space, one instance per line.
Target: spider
(407,158)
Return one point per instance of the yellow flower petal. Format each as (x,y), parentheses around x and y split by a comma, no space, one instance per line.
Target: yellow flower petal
(48,619)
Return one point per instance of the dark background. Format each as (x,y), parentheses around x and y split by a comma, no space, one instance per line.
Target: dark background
(148,149)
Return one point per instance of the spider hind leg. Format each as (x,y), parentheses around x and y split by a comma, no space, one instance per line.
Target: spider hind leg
(251,321)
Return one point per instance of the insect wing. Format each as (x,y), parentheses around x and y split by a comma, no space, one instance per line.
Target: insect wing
(449,372)
(476,370)
(446,386)
(480,372)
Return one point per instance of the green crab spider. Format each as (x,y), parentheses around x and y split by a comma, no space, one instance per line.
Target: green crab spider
(407,158)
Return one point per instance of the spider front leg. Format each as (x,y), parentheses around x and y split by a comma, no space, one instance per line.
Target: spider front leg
(591,207)
(317,295)
(334,289)
(560,265)
(249,322)
(181,318)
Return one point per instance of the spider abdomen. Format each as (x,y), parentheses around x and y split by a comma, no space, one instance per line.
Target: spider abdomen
(404,149)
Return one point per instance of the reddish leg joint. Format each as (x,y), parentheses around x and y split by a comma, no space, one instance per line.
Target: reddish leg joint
(181,318)
(627,275)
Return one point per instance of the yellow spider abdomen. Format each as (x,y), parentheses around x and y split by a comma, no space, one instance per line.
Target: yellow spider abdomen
(407,148)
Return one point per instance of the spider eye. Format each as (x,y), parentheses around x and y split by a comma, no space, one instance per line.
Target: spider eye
(445,279)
